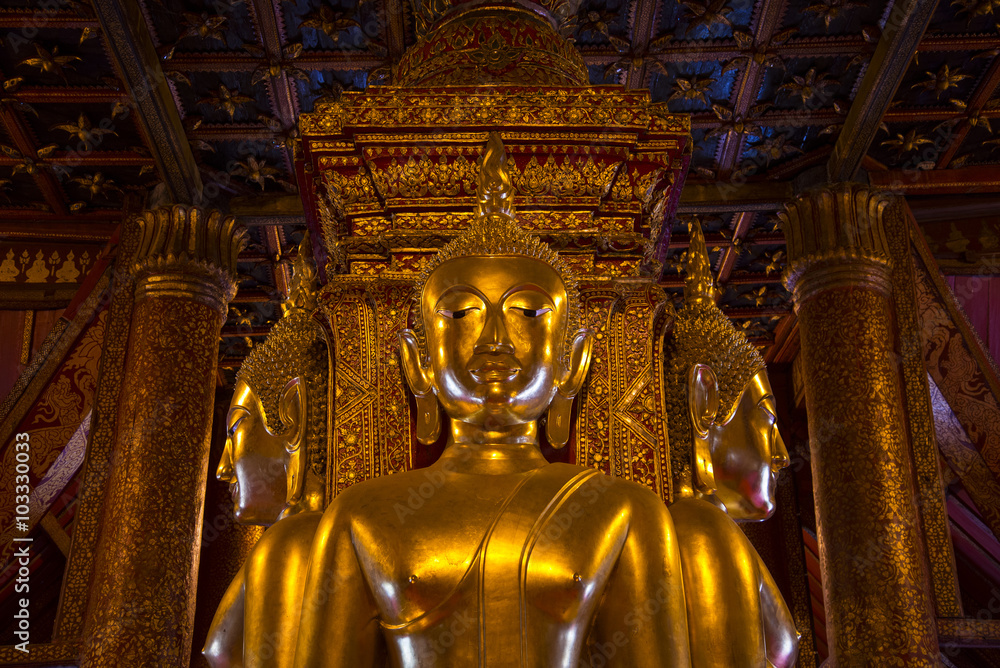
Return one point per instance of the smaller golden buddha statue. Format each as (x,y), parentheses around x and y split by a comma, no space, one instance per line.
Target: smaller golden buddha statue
(726,453)
(492,556)
(274,461)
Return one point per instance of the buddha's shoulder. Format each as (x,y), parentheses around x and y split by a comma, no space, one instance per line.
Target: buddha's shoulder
(370,495)
(614,493)
(290,534)
(702,517)
(300,526)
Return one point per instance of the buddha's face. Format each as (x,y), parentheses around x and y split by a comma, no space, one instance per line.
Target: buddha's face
(495,328)
(253,462)
(748,453)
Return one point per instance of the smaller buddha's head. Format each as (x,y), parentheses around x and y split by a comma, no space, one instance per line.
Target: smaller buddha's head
(724,438)
(275,453)
(497,340)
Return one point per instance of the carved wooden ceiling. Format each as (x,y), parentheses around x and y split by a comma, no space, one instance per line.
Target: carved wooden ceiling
(107,106)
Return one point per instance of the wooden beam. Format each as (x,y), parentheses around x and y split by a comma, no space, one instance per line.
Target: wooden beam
(714,239)
(281,270)
(767,20)
(56,533)
(92,159)
(901,36)
(395,29)
(722,197)
(738,279)
(798,47)
(741,225)
(266,15)
(961,181)
(40,18)
(131,49)
(643,31)
(337,61)
(62,94)
(49,232)
(786,341)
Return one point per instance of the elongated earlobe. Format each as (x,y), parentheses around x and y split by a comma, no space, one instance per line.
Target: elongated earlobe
(292,411)
(558,420)
(417,377)
(428,419)
(703,407)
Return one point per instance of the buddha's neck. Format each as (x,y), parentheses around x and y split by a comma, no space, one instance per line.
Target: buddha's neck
(311,500)
(473,449)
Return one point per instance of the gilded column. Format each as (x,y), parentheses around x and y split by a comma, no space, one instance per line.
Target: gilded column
(141,610)
(875,574)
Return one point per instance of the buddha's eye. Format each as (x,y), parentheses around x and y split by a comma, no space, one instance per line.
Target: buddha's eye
(232,428)
(457,315)
(531,312)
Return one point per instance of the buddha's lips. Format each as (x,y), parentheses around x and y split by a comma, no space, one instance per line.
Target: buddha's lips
(495,372)
(234,490)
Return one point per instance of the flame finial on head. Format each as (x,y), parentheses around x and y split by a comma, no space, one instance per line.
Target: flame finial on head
(495,192)
(699,285)
(303,291)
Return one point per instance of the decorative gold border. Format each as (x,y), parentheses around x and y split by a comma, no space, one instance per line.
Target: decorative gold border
(920,417)
(27,335)
(97,466)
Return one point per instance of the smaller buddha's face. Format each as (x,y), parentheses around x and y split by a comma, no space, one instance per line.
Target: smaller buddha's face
(495,328)
(748,453)
(253,461)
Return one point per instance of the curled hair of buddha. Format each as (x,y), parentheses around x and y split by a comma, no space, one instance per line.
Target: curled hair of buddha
(703,334)
(295,348)
(494,231)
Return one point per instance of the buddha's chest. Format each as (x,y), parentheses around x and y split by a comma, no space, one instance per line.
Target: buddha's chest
(489,562)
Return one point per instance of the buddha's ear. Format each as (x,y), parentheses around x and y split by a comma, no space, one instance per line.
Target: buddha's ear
(579,364)
(703,407)
(418,377)
(292,411)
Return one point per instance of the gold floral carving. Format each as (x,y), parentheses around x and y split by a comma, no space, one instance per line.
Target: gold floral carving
(143,593)
(371,428)
(190,253)
(875,587)
(833,225)
(620,427)
(60,653)
(54,417)
(492,107)
(955,359)
(594,170)
(966,462)
(43,264)
(477,45)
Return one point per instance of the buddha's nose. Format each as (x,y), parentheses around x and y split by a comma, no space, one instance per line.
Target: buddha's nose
(494,339)
(225,470)
(779,454)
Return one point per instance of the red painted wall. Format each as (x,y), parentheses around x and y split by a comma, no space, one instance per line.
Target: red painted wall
(979,297)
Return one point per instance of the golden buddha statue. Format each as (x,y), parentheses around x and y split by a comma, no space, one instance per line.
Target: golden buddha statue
(726,453)
(274,461)
(492,556)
